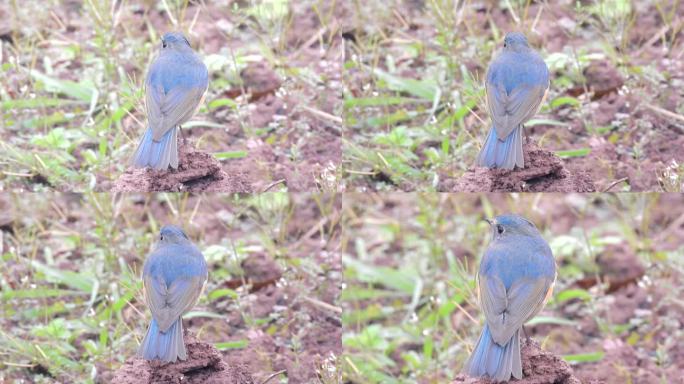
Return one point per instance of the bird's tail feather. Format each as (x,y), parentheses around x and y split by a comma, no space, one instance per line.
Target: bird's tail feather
(493,360)
(157,154)
(166,346)
(506,154)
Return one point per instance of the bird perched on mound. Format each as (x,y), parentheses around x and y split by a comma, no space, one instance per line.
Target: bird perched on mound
(517,81)
(516,278)
(174,89)
(174,275)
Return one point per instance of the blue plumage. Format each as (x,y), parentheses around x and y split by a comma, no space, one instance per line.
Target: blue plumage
(173,276)
(174,88)
(515,279)
(516,83)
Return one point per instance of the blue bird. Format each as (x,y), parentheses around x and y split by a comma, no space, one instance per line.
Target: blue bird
(515,280)
(516,83)
(174,275)
(174,89)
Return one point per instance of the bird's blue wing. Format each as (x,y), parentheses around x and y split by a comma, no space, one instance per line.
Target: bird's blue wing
(507,310)
(170,303)
(173,93)
(516,85)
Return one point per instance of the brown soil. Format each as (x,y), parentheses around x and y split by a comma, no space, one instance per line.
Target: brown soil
(204,365)
(625,118)
(285,123)
(634,316)
(539,367)
(286,273)
(543,172)
(197,172)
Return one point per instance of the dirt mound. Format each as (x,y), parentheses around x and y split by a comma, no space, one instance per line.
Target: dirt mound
(539,367)
(543,172)
(197,172)
(204,365)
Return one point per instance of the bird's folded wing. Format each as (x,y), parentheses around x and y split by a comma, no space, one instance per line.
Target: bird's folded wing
(167,110)
(510,110)
(507,311)
(169,303)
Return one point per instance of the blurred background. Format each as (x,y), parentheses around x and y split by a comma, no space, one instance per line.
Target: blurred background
(71,296)
(411,312)
(71,89)
(415,100)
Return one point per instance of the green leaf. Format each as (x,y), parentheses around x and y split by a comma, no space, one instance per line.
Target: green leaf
(72,279)
(564,100)
(210,315)
(38,102)
(56,139)
(236,344)
(570,294)
(230,155)
(534,122)
(80,91)
(420,88)
(391,119)
(427,348)
(581,152)
(584,357)
(551,320)
(48,120)
(353,293)
(199,123)
(37,293)
(56,329)
(223,292)
(389,277)
(379,101)
(218,103)
(397,137)
(269,10)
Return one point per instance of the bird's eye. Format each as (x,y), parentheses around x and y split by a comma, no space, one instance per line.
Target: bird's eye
(164,44)
(161,237)
(499,229)
(505,45)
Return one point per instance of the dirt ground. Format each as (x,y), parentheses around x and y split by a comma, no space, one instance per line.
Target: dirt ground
(630,95)
(298,116)
(277,81)
(283,320)
(543,172)
(634,318)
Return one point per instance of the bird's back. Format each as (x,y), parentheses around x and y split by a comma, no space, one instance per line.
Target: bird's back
(173,261)
(177,69)
(516,69)
(518,257)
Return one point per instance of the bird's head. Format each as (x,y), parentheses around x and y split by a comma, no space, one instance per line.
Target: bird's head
(515,41)
(174,40)
(171,234)
(510,225)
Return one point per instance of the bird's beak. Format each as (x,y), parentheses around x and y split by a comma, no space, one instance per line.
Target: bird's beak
(490,222)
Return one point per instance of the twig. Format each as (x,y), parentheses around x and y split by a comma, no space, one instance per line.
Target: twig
(272,375)
(659,35)
(273,184)
(614,183)
(665,112)
(323,304)
(676,224)
(311,231)
(465,312)
(308,43)
(324,115)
